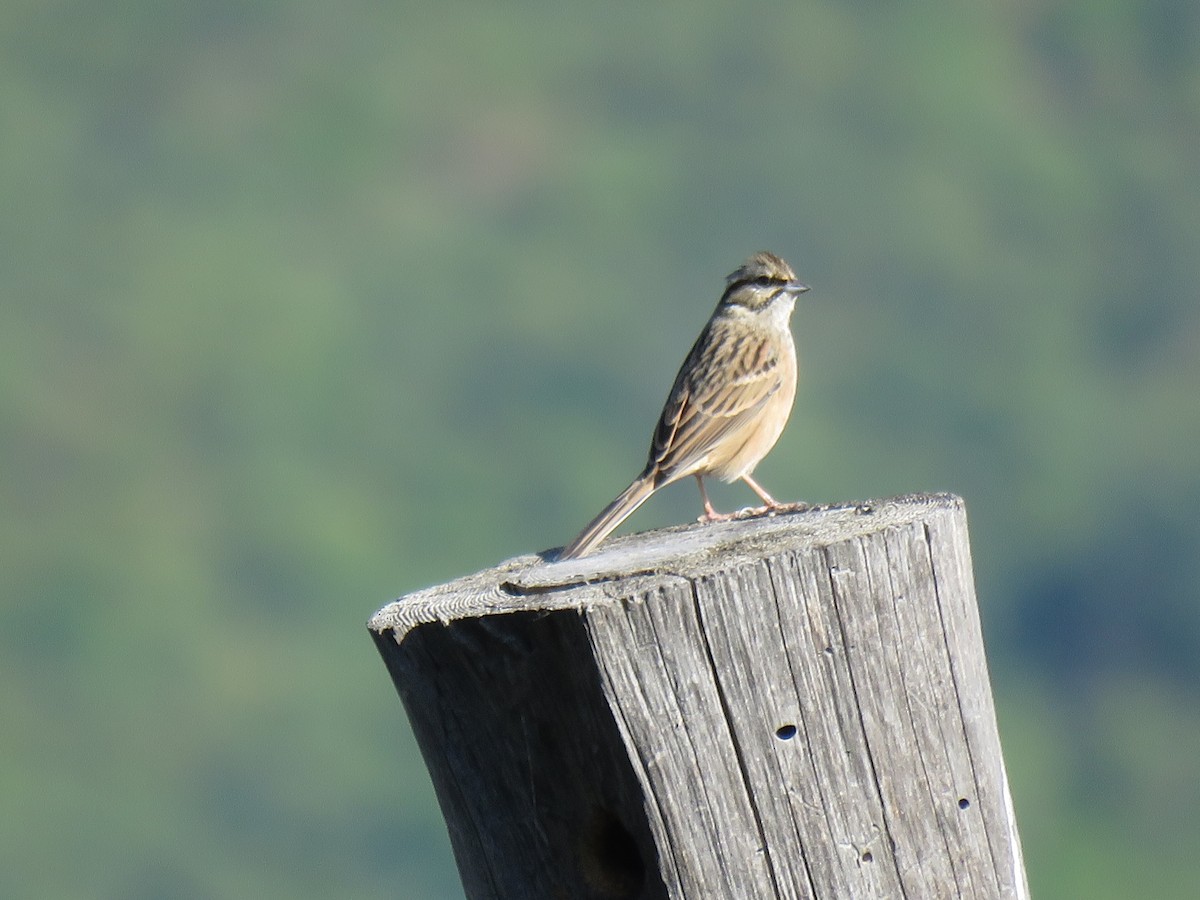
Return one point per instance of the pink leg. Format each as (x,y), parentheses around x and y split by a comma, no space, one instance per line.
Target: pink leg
(771,502)
(710,514)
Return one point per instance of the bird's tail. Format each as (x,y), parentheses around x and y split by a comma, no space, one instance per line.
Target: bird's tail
(610,517)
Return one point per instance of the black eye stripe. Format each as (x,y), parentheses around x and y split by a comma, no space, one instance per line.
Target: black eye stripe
(763,281)
(770,285)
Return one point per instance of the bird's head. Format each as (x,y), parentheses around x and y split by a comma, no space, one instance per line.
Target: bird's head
(760,281)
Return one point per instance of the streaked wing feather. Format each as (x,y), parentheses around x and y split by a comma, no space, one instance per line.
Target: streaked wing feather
(720,389)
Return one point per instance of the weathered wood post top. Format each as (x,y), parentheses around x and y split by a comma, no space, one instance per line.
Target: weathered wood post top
(787,706)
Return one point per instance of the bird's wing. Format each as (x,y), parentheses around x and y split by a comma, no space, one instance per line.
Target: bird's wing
(724,383)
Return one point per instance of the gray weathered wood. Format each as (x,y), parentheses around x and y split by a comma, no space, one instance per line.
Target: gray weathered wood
(790,706)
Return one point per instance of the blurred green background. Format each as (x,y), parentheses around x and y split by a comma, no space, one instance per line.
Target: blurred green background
(307,305)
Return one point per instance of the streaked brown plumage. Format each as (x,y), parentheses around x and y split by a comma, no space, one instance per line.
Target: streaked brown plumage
(731,398)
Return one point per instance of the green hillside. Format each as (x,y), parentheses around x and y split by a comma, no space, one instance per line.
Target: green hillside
(303,306)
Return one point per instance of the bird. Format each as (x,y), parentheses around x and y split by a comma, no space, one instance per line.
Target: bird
(730,401)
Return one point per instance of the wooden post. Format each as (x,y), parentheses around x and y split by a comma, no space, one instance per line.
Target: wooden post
(789,706)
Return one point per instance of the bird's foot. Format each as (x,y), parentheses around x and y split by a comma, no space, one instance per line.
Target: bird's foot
(749,512)
(771,509)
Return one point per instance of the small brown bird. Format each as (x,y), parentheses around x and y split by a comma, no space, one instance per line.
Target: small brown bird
(731,398)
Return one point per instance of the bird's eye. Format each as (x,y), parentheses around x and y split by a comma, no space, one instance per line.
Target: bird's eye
(763,280)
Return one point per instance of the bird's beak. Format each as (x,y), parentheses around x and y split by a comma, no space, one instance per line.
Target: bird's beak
(795,287)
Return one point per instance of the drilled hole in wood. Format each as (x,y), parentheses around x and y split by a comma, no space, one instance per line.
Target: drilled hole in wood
(963,803)
(785,732)
(867,857)
(612,864)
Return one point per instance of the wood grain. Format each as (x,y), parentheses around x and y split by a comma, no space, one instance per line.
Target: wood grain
(789,706)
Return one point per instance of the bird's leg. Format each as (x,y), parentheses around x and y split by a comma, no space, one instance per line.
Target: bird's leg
(771,502)
(710,514)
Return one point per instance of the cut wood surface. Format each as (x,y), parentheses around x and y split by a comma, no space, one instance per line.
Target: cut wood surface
(793,705)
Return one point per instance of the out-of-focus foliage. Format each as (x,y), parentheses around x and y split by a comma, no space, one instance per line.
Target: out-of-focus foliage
(305,305)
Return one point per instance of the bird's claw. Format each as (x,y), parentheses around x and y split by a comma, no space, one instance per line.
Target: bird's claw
(771,509)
